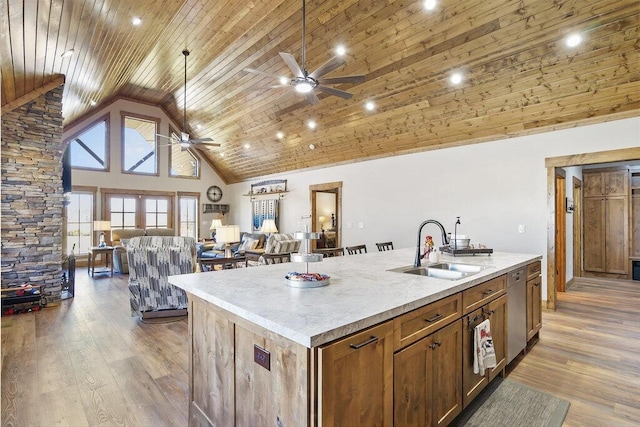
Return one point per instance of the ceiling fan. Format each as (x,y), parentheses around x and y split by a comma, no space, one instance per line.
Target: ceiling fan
(304,82)
(184,140)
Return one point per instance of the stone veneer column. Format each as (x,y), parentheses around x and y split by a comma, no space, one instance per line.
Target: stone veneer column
(32,199)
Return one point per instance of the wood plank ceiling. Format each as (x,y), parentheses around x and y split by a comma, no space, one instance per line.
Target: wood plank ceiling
(519,75)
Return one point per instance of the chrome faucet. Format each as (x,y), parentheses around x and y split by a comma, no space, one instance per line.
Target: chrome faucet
(444,238)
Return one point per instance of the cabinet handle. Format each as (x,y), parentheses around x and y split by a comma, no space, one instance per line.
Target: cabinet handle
(434,318)
(367,342)
(487,292)
(435,344)
(536,284)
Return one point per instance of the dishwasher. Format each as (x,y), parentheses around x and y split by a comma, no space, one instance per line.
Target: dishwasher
(516,312)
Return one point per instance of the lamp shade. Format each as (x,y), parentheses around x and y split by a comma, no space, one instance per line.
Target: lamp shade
(101,225)
(322,219)
(228,234)
(215,224)
(269,226)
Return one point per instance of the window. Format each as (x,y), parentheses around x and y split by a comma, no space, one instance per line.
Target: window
(131,209)
(183,162)
(139,145)
(188,214)
(89,148)
(156,212)
(79,222)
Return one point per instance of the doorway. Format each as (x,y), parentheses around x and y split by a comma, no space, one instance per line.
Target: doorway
(577,227)
(326,213)
(552,164)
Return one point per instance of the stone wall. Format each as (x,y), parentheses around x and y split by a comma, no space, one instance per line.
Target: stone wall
(32,199)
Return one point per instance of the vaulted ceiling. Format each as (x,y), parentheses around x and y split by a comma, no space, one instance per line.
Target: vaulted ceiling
(519,76)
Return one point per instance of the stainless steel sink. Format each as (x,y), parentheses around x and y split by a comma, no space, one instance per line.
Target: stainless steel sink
(445,270)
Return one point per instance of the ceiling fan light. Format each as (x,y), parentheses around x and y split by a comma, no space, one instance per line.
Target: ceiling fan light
(304,87)
(184,144)
(284,81)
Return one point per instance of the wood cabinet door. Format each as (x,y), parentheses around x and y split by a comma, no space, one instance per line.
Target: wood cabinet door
(616,183)
(534,306)
(446,374)
(594,234)
(472,384)
(496,312)
(428,379)
(617,234)
(593,184)
(355,379)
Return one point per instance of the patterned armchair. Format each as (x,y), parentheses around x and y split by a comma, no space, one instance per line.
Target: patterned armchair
(152,259)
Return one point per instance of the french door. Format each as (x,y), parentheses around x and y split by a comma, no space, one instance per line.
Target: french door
(138,210)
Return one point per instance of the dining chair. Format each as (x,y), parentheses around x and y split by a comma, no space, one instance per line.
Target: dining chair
(359,249)
(385,246)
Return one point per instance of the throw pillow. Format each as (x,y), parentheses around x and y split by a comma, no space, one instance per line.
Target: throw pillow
(248,244)
(124,242)
(219,246)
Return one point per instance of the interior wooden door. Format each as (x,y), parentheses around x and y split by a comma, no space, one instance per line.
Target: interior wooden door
(616,231)
(593,237)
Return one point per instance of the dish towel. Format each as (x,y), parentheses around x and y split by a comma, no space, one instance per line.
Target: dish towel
(484,355)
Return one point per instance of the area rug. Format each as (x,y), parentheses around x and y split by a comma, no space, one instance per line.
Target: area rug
(506,402)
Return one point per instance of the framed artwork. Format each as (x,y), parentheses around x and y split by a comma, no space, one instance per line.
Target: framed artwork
(264,209)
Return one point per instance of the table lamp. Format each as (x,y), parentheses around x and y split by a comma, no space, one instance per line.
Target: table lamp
(215,223)
(102,226)
(322,219)
(269,226)
(228,234)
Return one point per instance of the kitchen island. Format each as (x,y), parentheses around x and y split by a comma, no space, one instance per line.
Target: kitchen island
(263,353)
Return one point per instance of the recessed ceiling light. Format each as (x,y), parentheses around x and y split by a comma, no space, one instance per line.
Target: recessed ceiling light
(284,81)
(92,103)
(573,40)
(247,145)
(198,127)
(67,53)
(312,147)
(370,105)
(340,50)
(221,154)
(430,4)
(280,135)
(311,124)
(456,78)
(136,21)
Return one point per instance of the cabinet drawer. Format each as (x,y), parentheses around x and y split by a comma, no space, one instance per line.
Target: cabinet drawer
(412,326)
(533,270)
(481,294)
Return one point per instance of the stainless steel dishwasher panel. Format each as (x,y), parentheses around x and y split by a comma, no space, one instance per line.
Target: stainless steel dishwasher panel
(516,312)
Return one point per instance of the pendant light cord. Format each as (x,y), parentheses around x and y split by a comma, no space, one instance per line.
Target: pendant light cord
(184,116)
(304,64)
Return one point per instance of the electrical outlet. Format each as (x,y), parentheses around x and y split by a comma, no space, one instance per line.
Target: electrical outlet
(262,357)
(349,225)
(361,225)
(522,228)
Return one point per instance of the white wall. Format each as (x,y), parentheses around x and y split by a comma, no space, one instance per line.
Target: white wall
(571,172)
(494,187)
(116,179)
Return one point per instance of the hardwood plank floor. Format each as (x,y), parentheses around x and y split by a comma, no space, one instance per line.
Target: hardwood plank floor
(88,363)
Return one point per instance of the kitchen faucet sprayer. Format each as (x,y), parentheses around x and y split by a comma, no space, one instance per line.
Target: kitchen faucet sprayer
(417,262)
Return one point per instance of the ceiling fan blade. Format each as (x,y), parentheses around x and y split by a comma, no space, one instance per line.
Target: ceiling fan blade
(312,98)
(344,79)
(164,136)
(293,65)
(207,142)
(262,73)
(327,67)
(336,92)
(201,140)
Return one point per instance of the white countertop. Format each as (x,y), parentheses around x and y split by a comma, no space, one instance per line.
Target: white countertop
(362,292)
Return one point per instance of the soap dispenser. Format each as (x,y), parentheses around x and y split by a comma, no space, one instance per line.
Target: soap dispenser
(434,255)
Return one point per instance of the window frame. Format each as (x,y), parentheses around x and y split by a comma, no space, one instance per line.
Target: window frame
(192,152)
(141,196)
(123,116)
(189,195)
(107,157)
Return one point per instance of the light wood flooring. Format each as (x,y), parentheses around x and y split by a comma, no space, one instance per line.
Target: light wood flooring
(87,362)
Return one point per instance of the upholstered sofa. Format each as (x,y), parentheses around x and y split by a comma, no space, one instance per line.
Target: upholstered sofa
(120,237)
(279,243)
(248,241)
(151,260)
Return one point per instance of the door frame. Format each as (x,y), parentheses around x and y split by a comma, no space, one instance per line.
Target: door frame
(577,227)
(551,163)
(561,230)
(333,187)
